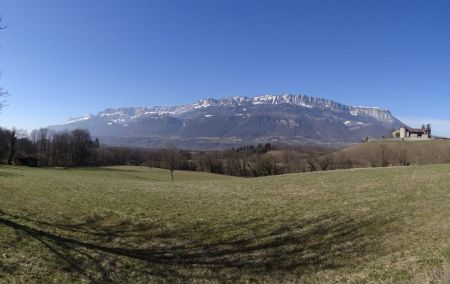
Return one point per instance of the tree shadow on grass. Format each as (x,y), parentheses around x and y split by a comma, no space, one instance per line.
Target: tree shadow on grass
(95,250)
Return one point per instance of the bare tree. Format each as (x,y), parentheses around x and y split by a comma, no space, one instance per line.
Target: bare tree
(171,159)
(61,149)
(81,146)
(3,92)
(22,142)
(312,163)
(42,144)
(12,146)
(324,163)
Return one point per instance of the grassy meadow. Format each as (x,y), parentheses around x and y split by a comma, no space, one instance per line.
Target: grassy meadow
(132,224)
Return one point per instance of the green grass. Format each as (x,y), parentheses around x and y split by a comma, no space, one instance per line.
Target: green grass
(132,224)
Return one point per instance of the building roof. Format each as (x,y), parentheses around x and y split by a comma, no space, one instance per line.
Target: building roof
(416,130)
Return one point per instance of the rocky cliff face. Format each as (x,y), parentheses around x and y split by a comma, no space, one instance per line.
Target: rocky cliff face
(232,121)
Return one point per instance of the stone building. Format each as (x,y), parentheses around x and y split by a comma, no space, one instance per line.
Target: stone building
(406,132)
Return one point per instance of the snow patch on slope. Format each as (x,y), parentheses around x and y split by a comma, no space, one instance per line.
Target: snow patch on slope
(80,119)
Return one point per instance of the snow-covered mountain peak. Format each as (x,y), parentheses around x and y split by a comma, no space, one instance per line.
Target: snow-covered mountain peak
(126,114)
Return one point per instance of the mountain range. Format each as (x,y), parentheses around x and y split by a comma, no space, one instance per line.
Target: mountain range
(234,121)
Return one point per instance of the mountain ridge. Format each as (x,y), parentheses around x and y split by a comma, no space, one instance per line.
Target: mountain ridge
(286,119)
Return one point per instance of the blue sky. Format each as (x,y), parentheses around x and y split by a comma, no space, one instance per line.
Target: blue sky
(62,58)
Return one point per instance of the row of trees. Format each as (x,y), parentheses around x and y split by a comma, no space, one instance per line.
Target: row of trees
(67,149)
(248,161)
(254,163)
(78,148)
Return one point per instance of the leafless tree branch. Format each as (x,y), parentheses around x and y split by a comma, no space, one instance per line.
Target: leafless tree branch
(3,92)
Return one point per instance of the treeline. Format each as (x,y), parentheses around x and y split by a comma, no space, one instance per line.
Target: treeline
(264,159)
(66,149)
(77,148)
(248,161)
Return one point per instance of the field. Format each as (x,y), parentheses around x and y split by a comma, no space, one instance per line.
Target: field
(132,224)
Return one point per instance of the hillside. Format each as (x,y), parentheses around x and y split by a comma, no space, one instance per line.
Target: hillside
(131,224)
(393,153)
(236,121)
